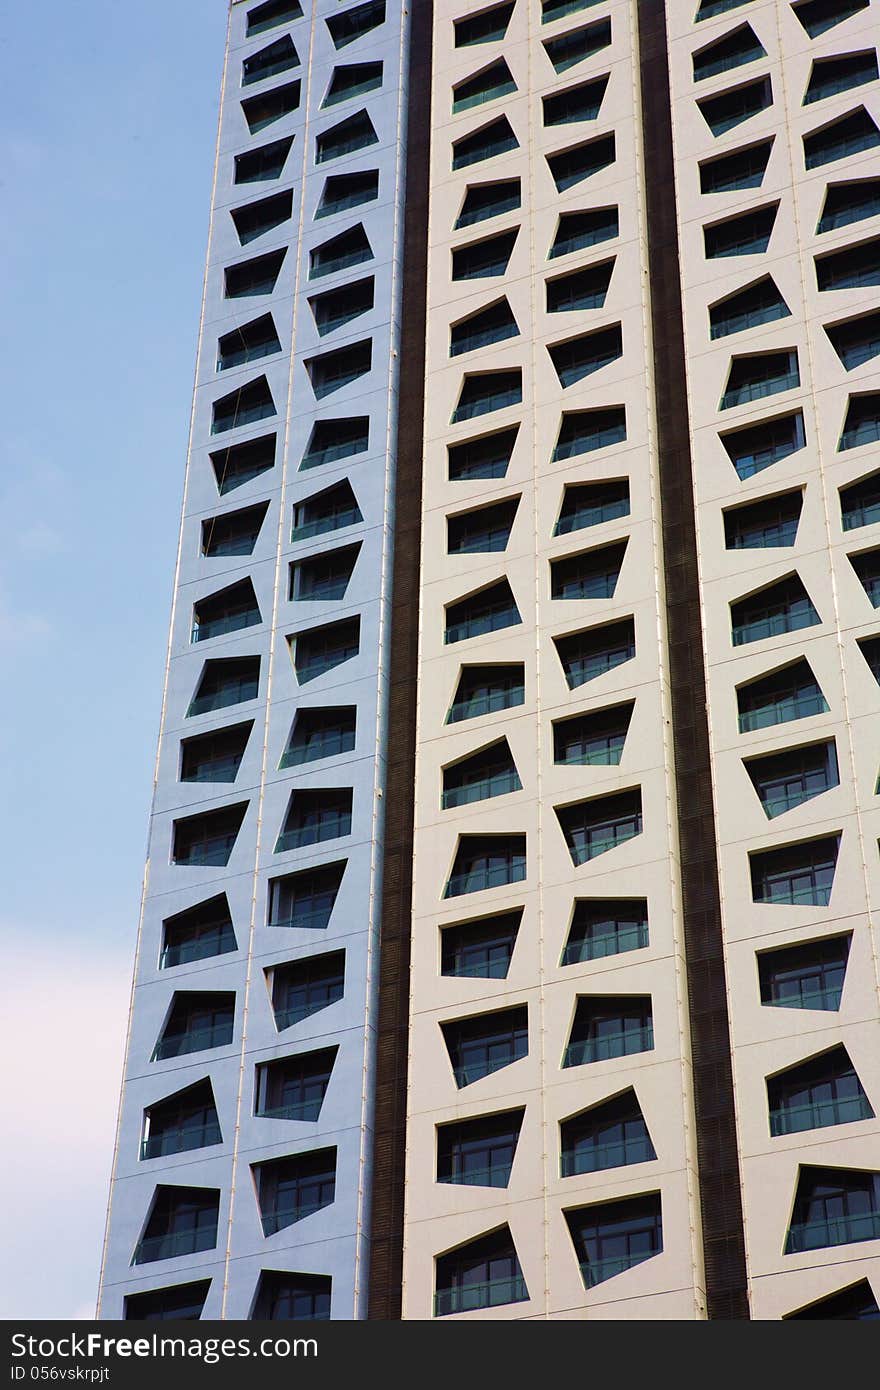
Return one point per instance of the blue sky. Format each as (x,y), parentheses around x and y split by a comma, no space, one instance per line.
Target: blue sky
(109,114)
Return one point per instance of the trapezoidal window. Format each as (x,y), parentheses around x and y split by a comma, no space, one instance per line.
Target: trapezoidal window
(282,1297)
(833,1206)
(830,76)
(491,325)
(726,173)
(479,1152)
(789,693)
(846,203)
(486,861)
(612,1134)
(340,253)
(867,569)
(490,140)
(489,26)
(325,512)
(579,162)
(344,191)
(765,374)
(332,440)
(584,431)
(594,739)
(354,23)
(551,10)
(748,308)
(338,307)
(809,975)
(580,289)
(483,531)
(484,392)
(253,277)
(729,109)
(860,503)
(481,260)
(576,231)
(580,357)
(333,370)
(182,1221)
(307,986)
(789,778)
(856,341)
(248,343)
(482,776)
(271,15)
(196,1022)
(260,165)
(214,757)
(708,9)
(486,457)
(612,1237)
(853,1304)
(256,219)
(323,578)
(242,463)
(355,133)
(818,16)
(227,610)
(181,1122)
(314,815)
(321,649)
(244,406)
(484,1273)
(178,1303)
(757,447)
(488,610)
(801,875)
(586,655)
(746,235)
(276,58)
(816,1094)
(490,84)
(851,134)
(575,46)
(485,200)
(591,504)
(574,104)
(486,690)
(593,574)
(293,1088)
(304,901)
(870,650)
(849,269)
(224,683)
(605,927)
(290,1189)
(207,840)
(484,1044)
(601,824)
(233,533)
(734,50)
(352,80)
(606,1026)
(862,422)
(777,609)
(765,524)
(198,933)
(481,949)
(320,732)
(269,107)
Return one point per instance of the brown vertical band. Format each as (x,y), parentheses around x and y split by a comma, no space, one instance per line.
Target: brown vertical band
(389,1143)
(717,1154)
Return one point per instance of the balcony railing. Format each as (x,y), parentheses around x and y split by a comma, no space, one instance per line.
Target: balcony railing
(793,1119)
(488,1294)
(842,1230)
(176,1141)
(621,1044)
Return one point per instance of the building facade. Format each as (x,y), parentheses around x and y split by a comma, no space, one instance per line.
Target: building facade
(509,934)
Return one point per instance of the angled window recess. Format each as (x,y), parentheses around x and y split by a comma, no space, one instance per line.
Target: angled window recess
(493,82)
(331,371)
(593,739)
(484,1044)
(708,9)
(320,732)
(486,457)
(757,304)
(592,574)
(290,1189)
(594,827)
(305,900)
(248,343)
(227,682)
(486,861)
(850,268)
(182,1221)
(325,577)
(340,252)
(784,606)
(732,51)
(575,46)
(490,140)
(729,109)
(214,757)
(799,874)
(790,693)
(742,169)
(485,690)
(352,80)
(271,106)
(580,357)
(789,778)
(483,775)
(271,15)
(479,1152)
(746,235)
(196,1022)
(853,1304)
(867,568)
(579,289)
(484,1273)
(233,533)
(580,103)
(833,1206)
(276,58)
(757,447)
(612,1237)
(267,162)
(849,135)
(855,341)
(304,987)
(806,976)
(846,203)
(765,374)
(591,653)
(282,1296)
(207,840)
(829,76)
(257,276)
(321,649)
(862,422)
(244,406)
(338,307)
(243,462)
(489,26)
(591,504)
(178,1303)
(579,230)
(607,1026)
(293,1088)
(184,1121)
(773,521)
(343,191)
(580,162)
(481,531)
(860,503)
(583,431)
(491,325)
(603,927)
(482,259)
(332,440)
(228,610)
(255,219)
(870,650)
(325,512)
(356,132)
(612,1134)
(314,815)
(551,10)
(481,949)
(818,1093)
(487,610)
(485,200)
(352,24)
(198,933)
(817,16)
(484,392)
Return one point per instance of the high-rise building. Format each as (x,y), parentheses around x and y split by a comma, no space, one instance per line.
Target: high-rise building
(509,944)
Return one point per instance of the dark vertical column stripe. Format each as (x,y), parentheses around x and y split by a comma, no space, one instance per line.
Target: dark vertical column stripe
(717,1155)
(389,1145)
